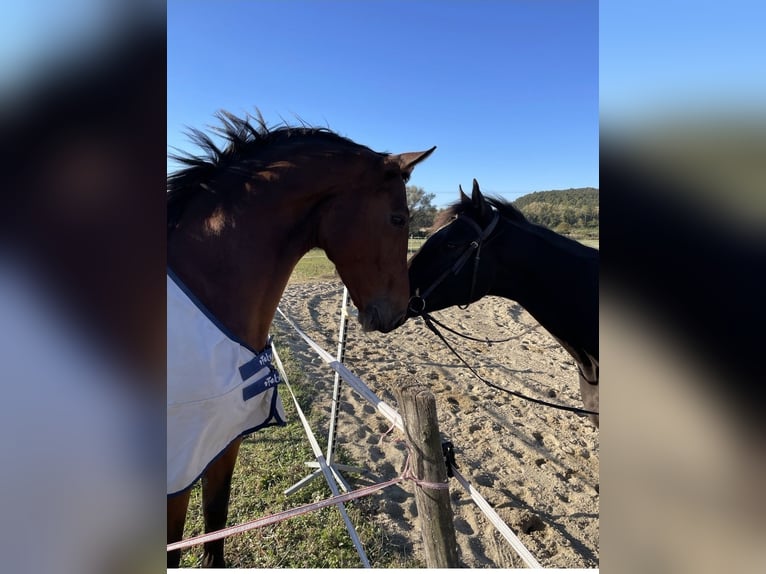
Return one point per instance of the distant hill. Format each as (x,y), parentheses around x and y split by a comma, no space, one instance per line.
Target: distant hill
(567,211)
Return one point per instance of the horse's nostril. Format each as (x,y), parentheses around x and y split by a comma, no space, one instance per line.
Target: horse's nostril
(381,318)
(370,319)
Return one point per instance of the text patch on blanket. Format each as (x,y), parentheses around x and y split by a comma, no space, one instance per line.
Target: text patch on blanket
(218,388)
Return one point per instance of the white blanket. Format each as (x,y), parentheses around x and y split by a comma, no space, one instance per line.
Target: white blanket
(218,388)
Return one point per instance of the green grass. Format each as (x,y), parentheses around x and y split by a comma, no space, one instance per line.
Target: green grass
(413,244)
(272,460)
(314,265)
(589,242)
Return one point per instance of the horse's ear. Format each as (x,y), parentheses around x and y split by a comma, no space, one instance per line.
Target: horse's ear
(408,161)
(479,203)
(463,197)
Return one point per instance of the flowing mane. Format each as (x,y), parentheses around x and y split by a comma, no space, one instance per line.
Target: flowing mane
(246,141)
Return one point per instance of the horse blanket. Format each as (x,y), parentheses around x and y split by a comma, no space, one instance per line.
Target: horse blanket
(217,388)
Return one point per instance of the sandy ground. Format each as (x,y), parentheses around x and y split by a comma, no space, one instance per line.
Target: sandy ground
(538,467)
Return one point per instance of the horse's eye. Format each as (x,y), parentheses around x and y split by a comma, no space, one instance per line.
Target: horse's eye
(396,174)
(398,220)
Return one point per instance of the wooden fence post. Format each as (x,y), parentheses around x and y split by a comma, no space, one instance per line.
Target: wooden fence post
(418,408)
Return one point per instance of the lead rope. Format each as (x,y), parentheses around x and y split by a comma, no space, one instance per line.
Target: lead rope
(427,319)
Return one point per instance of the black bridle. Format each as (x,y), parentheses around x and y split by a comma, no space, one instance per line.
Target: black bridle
(417,302)
(417,306)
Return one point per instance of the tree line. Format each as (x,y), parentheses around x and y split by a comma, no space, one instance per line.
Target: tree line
(566,211)
(571,211)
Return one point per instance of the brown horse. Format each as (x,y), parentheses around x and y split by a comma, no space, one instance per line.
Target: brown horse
(241,217)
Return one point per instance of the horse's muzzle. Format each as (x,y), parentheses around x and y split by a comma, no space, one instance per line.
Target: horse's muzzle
(377,317)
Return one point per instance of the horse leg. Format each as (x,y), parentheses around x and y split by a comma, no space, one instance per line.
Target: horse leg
(589,393)
(177,505)
(216,487)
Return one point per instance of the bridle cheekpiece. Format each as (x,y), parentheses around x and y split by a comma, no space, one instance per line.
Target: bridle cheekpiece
(417,304)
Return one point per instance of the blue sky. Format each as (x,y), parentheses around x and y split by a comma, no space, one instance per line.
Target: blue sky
(507,90)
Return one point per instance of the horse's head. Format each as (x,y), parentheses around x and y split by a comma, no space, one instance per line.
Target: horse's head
(278,192)
(364,229)
(446,270)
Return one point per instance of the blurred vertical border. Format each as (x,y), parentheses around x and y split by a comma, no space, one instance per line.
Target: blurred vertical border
(82,296)
(683,247)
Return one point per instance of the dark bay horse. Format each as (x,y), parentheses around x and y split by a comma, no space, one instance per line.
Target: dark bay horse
(239,219)
(485,246)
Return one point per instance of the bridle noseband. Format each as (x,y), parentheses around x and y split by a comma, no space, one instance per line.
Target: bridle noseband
(417,304)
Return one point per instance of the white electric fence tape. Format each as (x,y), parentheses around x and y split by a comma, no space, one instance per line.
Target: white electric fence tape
(390,413)
(354,382)
(322,463)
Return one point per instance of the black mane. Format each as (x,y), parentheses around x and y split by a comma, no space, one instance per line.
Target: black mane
(511,213)
(504,207)
(244,141)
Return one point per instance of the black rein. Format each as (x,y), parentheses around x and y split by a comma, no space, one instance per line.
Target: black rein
(428,320)
(417,305)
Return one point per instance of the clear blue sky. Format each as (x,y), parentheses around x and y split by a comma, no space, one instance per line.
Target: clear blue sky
(507,90)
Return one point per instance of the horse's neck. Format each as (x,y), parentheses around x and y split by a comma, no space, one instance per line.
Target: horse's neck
(241,269)
(242,292)
(556,280)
